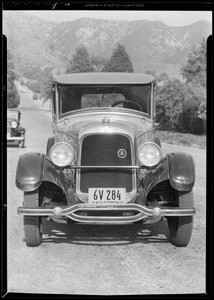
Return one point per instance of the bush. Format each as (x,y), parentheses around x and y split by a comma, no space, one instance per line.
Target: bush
(183,139)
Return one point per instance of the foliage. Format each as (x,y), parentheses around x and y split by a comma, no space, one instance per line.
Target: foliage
(98,63)
(46,88)
(180,102)
(190,120)
(151,72)
(202,110)
(184,102)
(170,97)
(195,73)
(163,76)
(13,98)
(34,85)
(42,85)
(80,61)
(185,139)
(119,61)
(195,69)
(33,72)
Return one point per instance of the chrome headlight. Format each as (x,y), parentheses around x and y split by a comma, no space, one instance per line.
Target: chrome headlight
(62,154)
(149,154)
(14,124)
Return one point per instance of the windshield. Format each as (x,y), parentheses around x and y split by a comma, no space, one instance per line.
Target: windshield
(12,114)
(73,97)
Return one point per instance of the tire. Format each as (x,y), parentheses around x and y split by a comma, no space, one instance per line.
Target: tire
(180,228)
(32,224)
(22,143)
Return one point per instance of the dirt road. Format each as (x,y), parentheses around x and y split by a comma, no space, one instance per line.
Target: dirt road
(100,260)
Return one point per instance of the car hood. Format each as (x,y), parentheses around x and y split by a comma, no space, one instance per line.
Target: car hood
(87,121)
(11,120)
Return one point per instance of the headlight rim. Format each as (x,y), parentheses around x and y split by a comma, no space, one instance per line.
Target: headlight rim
(72,151)
(157,147)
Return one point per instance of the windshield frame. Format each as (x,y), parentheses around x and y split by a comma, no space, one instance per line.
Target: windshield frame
(57,100)
(13,112)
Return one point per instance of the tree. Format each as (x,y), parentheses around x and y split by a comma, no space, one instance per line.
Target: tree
(46,89)
(170,97)
(195,73)
(98,63)
(81,61)
(190,119)
(13,98)
(119,61)
(180,102)
(163,77)
(195,69)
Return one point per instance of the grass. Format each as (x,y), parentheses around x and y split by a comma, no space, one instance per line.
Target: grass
(183,139)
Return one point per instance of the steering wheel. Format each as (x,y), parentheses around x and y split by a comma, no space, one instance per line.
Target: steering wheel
(127,101)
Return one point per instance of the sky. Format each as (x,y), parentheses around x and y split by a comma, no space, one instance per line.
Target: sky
(170,18)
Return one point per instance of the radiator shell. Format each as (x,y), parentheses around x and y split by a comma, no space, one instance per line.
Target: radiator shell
(105,150)
(100,149)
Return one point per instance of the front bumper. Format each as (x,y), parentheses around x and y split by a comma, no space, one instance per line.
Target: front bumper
(15,139)
(76,213)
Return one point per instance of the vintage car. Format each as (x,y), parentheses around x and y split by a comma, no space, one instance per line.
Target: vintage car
(104,163)
(15,133)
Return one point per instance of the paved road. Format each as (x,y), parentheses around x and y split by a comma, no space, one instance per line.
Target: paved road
(100,260)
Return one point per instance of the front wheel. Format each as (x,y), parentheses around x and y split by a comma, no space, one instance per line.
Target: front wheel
(22,143)
(32,224)
(180,228)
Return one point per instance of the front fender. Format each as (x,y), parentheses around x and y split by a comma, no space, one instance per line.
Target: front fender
(178,168)
(29,171)
(33,168)
(155,176)
(181,171)
(22,130)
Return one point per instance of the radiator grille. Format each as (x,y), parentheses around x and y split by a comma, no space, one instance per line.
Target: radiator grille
(102,149)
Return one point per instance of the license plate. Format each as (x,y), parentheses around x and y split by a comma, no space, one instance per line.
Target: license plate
(107,195)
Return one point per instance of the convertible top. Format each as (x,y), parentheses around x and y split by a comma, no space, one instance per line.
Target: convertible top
(104,78)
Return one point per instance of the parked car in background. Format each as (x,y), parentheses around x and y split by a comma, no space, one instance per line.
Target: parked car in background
(35,97)
(104,163)
(15,133)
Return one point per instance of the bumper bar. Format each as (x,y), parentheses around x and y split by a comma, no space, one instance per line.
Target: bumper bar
(15,138)
(141,212)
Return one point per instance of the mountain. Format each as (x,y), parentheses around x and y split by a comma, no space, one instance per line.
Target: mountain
(151,45)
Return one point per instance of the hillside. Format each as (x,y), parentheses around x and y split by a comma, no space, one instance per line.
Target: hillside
(150,45)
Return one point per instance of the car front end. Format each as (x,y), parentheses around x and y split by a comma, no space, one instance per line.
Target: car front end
(105,163)
(15,133)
